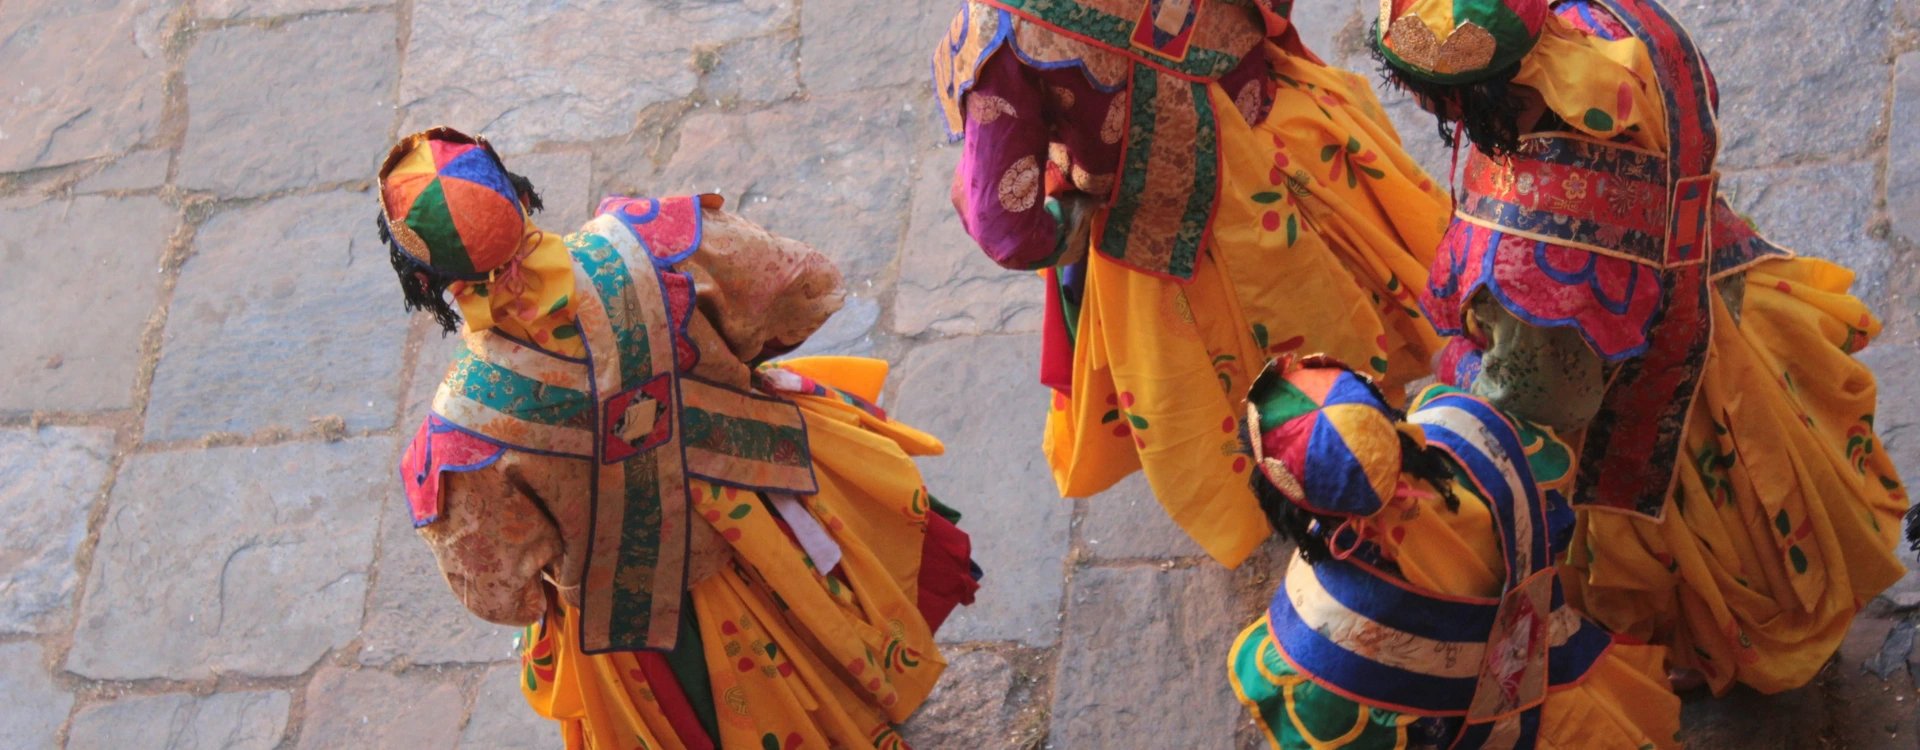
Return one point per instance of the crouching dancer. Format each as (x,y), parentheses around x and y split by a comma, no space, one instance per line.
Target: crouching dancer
(1423,609)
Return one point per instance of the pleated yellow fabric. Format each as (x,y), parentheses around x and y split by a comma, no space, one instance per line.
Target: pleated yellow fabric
(1787,510)
(1786,515)
(1325,229)
(795,658)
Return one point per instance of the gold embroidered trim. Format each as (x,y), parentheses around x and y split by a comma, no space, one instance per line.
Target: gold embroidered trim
(1020,186)
(986,108)
(1467,48)
(1248,101)
(1095,184)
(1063,97)
(1115,124)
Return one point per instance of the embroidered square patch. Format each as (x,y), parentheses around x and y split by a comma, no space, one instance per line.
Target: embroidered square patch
(638,419)
(1513,674)
(1165,27)
(1692,205)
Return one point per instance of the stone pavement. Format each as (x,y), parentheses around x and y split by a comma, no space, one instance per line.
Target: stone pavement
(201,414)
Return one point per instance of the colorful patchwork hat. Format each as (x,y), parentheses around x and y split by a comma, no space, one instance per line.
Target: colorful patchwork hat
(1324,438)
(1457,41)
(448,202)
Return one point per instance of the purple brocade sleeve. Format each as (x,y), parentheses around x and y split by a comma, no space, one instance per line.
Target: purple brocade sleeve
(1000,185)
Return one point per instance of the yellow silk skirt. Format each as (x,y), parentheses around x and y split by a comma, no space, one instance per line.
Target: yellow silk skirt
(1323,237)
(1787,509)
(795,658)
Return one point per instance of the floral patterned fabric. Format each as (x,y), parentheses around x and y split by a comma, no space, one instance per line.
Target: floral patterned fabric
(811,657)
(512,500)
(1012,151)
(1783,510)
(1153,63)
(1786,509)
(1327,231)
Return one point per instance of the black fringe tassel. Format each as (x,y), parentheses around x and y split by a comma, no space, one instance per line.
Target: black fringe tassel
(1488,110)
(423,289)
(1913,528)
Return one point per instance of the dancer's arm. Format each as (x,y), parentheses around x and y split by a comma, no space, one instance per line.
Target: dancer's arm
(492,542)
(999,188)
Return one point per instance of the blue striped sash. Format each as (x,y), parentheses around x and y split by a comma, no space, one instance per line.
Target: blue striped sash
(1378,640)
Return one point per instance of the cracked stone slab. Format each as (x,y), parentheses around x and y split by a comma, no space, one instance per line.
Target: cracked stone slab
(248,137)
(222,721)
(1144,654)
(140,170)
(35,706)
(1870,711)
(845,195)
(101,93)
(1323,27)
(413,617)
(526,77)
(52,476)
(418,710)
(1743,718)
(975,394)
(1903,150)
(502,718)
(1821,211)
(82,352)
(1127,521)
(564,180)
(1894,357)
(947,285)
(227,9)
(430,367)
(287,312)
(971,707)
(1823,100)
(852,45)
(761,69)
(236,560)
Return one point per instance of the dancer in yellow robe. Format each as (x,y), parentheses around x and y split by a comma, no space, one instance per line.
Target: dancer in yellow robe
(708,551)
(1202,193)
(1735,501)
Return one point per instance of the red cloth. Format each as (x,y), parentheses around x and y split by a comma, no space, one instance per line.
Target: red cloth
(673,701)
(946,571)
(1056,347)
(440,446)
